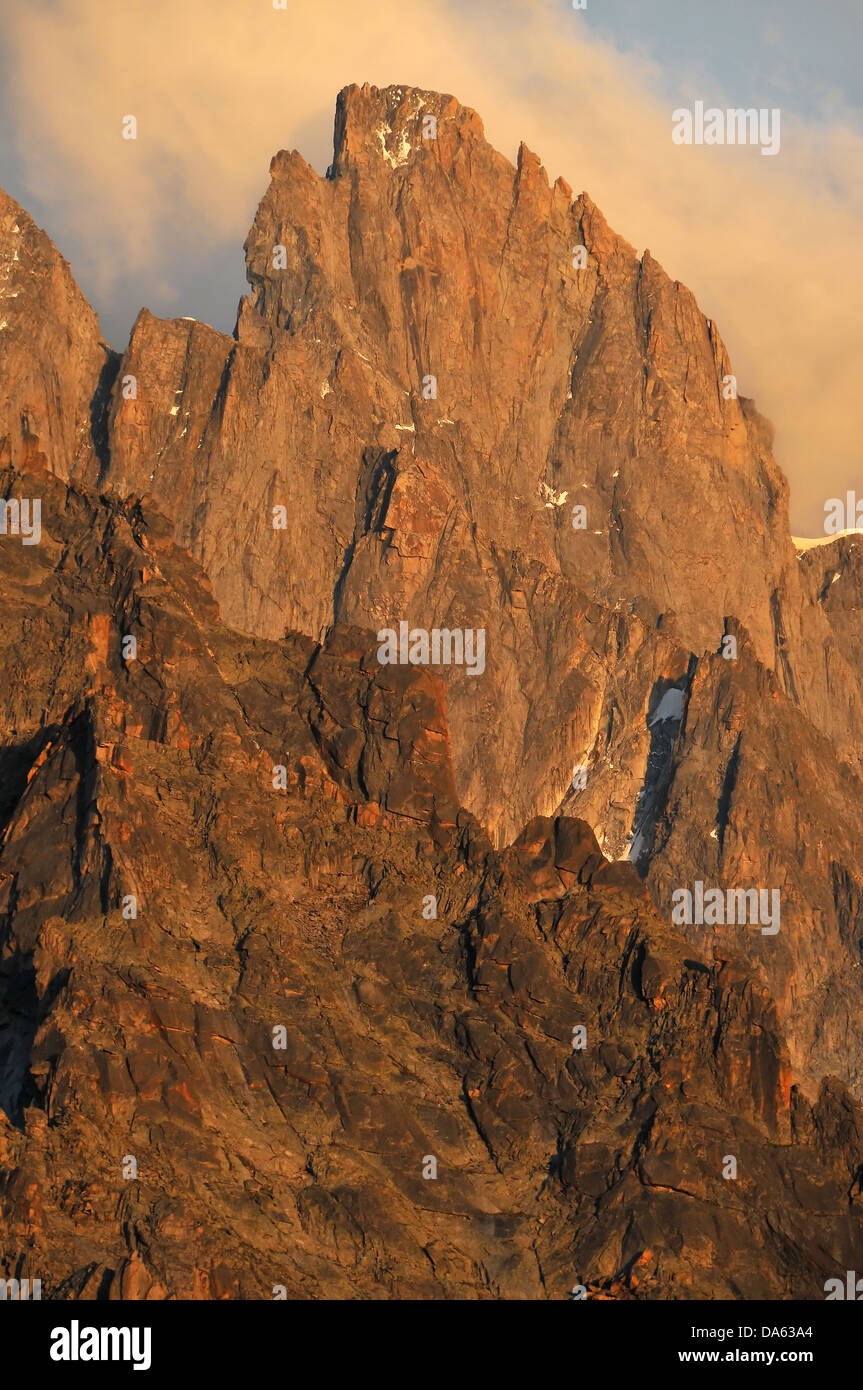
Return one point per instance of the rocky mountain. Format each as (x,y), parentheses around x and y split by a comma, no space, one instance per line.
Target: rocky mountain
(54,367)
(254,879)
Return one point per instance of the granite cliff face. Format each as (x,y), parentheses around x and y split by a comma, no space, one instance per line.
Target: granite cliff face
(54,367)
(169,906)
(426,382)
(433,265)
(556,387)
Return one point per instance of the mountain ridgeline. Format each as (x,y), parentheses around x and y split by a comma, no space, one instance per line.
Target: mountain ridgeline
(290,907)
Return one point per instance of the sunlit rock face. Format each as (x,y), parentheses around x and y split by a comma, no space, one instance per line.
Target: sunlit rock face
(466,632)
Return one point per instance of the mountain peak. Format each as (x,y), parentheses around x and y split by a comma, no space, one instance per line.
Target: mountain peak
(51,349)
(462,427)
(393,123)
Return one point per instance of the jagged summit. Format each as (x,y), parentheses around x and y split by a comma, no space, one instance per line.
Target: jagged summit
(477,408)
(389,123)
(456,402)
(52,355)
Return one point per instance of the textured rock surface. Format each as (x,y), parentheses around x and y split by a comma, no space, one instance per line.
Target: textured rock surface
(756,797)
(55,371)
(599,387)
(406,1037)
(409,1036)
(555,387)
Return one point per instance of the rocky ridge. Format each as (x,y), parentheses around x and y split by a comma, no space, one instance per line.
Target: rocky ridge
(161,1138)
(446,503)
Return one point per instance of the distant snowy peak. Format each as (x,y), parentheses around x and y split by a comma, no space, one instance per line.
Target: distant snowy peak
(804,543)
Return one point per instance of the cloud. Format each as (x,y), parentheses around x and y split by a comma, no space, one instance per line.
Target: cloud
(771,247)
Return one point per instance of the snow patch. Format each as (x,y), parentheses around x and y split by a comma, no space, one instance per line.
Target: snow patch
(401,155)
(635,848)
(803,543)
(175,410)
(412,428)
(550,497)
(326,389)
(664,727)
(669,707)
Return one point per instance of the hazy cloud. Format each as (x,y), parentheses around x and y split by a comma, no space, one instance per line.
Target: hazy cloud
(771,247)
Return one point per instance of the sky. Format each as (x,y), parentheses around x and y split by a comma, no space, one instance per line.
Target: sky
(770,245)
